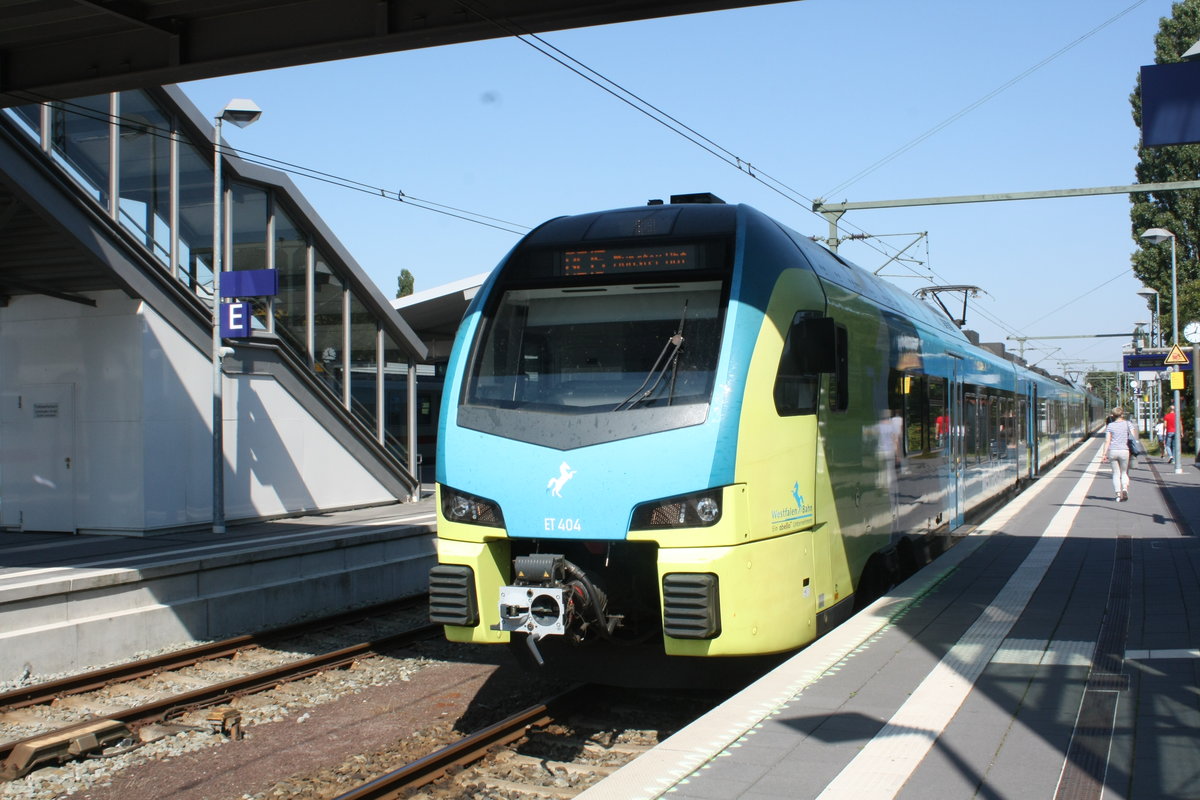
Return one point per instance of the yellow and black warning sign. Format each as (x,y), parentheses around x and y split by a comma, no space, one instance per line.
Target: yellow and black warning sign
(1176,356)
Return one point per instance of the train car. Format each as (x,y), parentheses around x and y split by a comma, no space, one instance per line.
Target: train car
(683,431)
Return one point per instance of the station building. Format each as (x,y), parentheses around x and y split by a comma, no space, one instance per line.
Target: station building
(434,314)
(106,347)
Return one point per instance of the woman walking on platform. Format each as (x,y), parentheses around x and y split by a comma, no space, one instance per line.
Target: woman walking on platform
(1116,450)
(1169,430)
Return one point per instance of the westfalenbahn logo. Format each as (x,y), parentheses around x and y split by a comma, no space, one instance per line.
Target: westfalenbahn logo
(789,516)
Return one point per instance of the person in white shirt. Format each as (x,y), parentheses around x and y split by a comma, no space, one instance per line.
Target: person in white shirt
(1116,451)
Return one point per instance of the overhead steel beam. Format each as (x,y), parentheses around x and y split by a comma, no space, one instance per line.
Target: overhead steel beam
(821,207)
(75,48)
(833,212)
(35,288)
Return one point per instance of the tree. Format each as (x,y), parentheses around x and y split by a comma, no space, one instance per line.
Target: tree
(1177,211)
(405,283)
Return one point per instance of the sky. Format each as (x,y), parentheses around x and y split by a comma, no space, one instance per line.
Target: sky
(844,100)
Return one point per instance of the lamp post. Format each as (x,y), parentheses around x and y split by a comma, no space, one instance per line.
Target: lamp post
(1158,236)
(240,112)
(1155,341)
(1139,335)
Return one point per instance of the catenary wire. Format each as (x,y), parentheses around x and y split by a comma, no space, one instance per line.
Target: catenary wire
(744,165)
(627,96)
(652,111)
(372,190)
(855,178)
(287,167)
(1094,289)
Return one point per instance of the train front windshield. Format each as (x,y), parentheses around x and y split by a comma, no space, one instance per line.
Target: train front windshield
(585,348)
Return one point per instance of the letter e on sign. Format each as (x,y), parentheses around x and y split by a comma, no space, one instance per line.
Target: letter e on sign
(235,320)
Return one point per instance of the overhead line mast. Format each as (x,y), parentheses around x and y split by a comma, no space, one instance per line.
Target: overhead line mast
(833,211)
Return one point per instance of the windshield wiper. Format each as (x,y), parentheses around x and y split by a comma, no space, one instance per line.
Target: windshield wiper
(668,358)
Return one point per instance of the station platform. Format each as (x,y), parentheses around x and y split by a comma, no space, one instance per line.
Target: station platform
(1054,652)
(71,602)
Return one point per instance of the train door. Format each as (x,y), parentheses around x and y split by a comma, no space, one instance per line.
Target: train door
(1022,433)
(1033,430)
(957,460)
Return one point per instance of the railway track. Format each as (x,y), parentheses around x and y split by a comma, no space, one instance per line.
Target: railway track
(49,691)
(88,697)
(553,749)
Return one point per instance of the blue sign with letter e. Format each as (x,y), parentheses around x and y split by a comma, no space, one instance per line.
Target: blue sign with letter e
(235,320)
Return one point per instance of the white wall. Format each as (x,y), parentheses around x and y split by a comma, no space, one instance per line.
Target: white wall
(48,341)
(142,434)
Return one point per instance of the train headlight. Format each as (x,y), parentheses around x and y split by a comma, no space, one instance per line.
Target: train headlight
(708,509)
(471,510)
(697,510)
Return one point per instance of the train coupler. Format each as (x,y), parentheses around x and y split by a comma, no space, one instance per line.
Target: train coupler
(536,611)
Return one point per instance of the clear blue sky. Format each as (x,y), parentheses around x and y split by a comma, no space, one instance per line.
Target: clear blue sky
(812,93)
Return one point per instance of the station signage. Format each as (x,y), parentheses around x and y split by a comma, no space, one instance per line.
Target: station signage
(1176,357)
(1145,362)
(236,317)
(235,320)
(249,283)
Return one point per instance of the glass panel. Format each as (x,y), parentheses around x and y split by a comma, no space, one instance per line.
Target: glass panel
(29,119)
(291,260)
(248,220)
(363,378)
(327,323)
(145,174)
(914,413)
(613,348)
(937,413)
(839,383)
(79,137)
(796,384)
(395,398)
(195,218)
(248,237)
(1004,432)
(971,418)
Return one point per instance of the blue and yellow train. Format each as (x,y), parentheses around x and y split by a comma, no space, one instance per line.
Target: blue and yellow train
(683,431)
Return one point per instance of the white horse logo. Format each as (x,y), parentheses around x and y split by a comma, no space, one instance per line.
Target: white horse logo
(565,473)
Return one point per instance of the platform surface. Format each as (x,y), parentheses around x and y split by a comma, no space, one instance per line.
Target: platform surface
(26,555)
(73,602)
(1052,653)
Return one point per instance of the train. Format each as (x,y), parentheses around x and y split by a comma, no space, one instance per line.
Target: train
(683,434)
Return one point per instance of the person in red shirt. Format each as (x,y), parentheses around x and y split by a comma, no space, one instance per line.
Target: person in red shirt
(1169,432)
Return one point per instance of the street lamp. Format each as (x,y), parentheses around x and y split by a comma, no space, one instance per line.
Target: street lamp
(1158,236)
(240,112)
(1155,326)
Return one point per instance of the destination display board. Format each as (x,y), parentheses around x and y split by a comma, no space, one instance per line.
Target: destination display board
(1145,362)
(620,260)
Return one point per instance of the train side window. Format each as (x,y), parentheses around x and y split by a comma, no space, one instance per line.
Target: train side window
(807,352)
(914,414)
(971,427)
(937,421)
(839,386)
